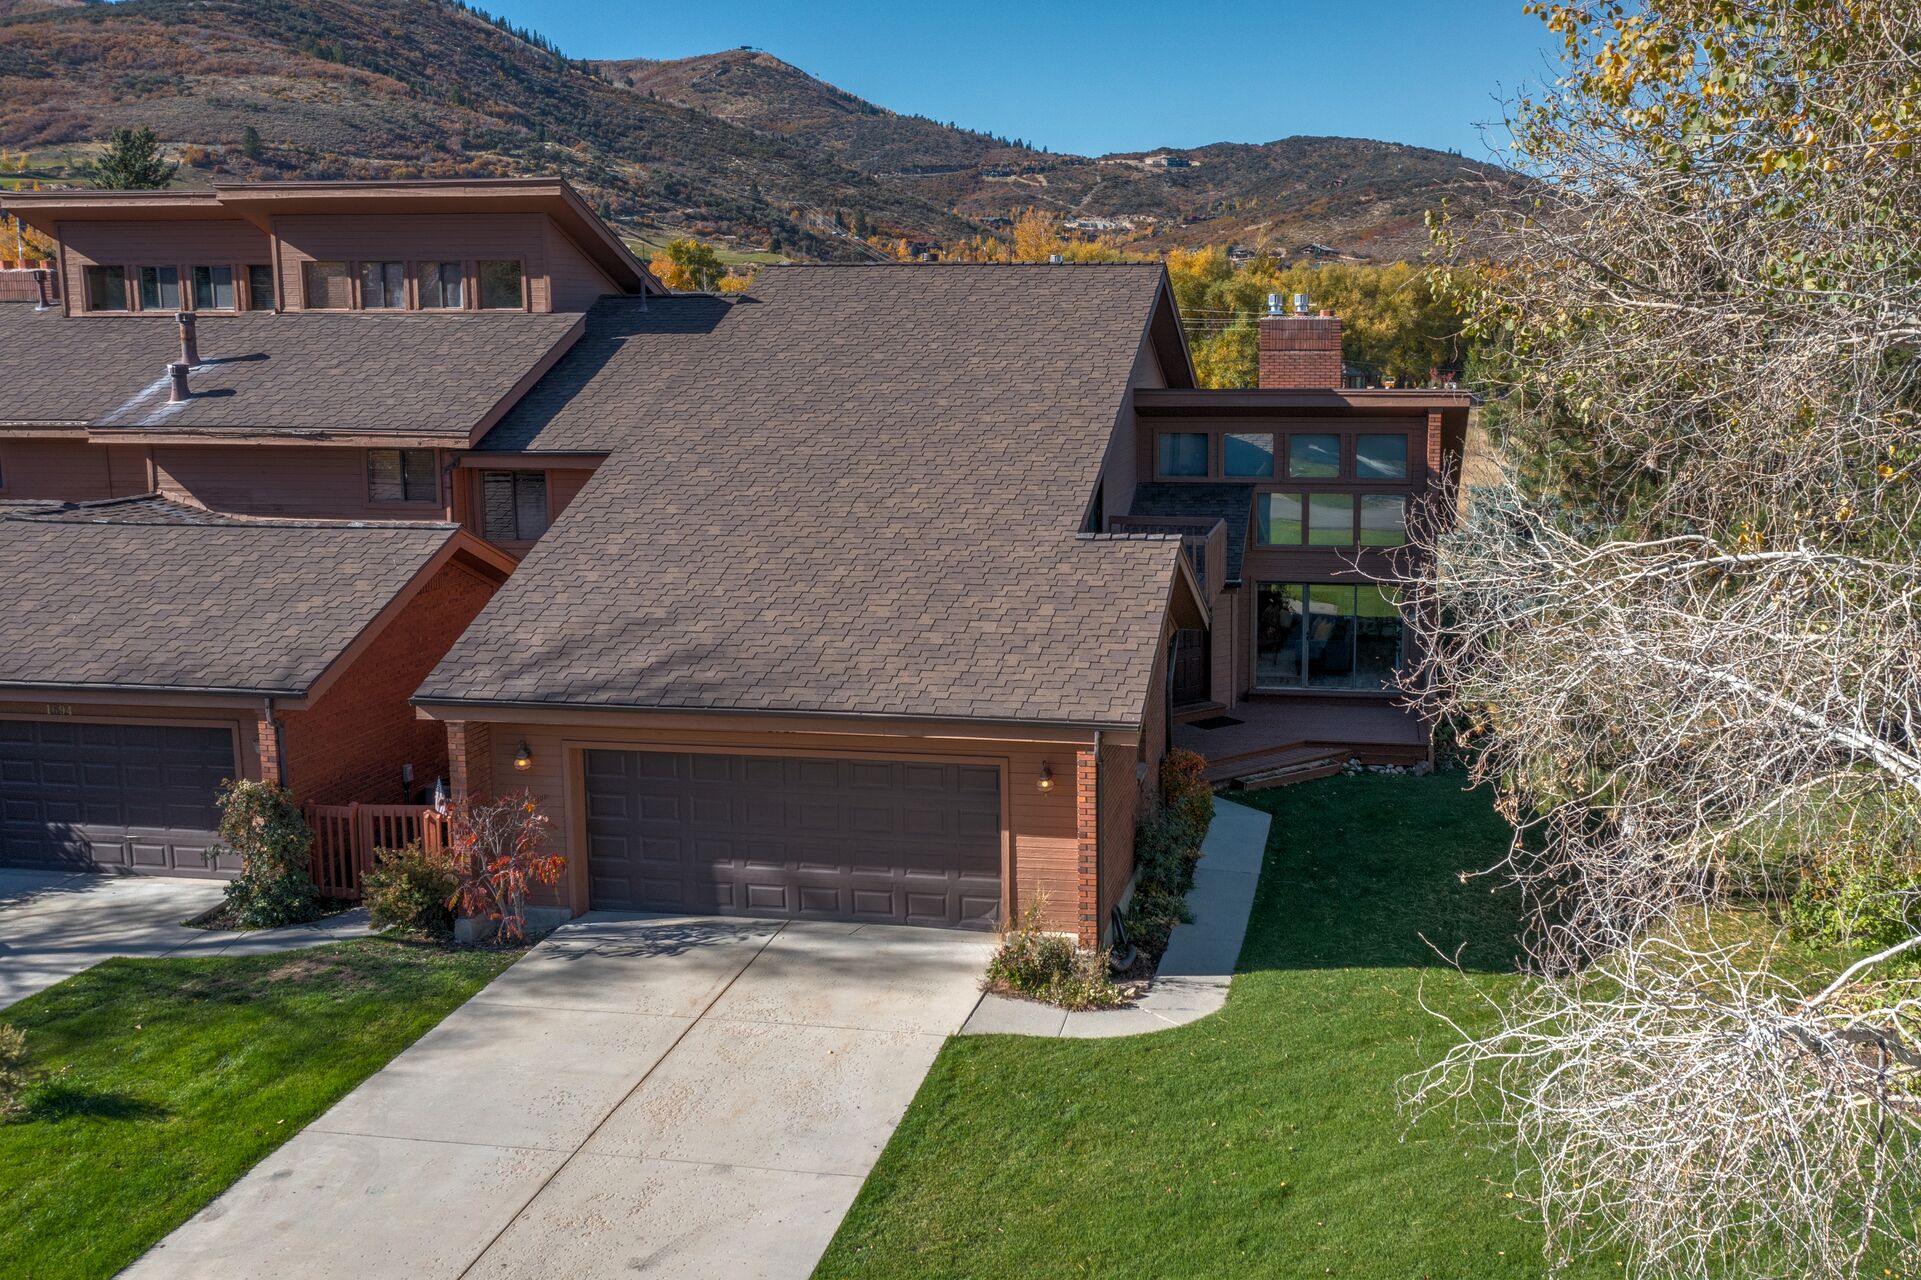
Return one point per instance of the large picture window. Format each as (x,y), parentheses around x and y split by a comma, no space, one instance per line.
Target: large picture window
(1327,636)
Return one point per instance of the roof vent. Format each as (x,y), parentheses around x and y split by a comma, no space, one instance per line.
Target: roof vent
(177,372)
(40,280)
(1275,306)
(1300,304)
(1054,258)
(189,345)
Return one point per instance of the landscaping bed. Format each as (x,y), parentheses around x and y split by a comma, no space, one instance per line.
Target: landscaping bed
(157,1083)
(1265,1139)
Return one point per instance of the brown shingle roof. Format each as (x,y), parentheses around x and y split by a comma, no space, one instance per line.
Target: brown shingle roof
(143,594)
(859,498)
(348,373)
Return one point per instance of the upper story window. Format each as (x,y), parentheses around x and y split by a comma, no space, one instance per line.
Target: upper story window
(213,289)
(260,287)
(402,475)
(1383,520)
(1278,521)
(443,286)
(1313,457)
(513,505)
(1182,453)
(160,288)
(501,285)
(383,286)
(1247,454)
(1380,457)
(327,286)
(1330,519)
(106,288)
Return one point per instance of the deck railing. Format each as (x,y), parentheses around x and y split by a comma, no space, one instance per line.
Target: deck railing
(346,835)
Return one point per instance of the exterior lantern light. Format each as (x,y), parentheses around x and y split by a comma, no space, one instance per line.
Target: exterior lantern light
(1046,780)
(523,758)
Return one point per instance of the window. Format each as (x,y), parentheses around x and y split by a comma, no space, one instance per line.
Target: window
(1278,517)
(443,286)
(383,286)
(1327,636)
(513,505)
(1380,458)
(1313,457)
(260,287)
(213,289)
(326,286)
(1183,453)
(402,475)
(1383,520)
(1247,455)
(106,288)
(160,288)
(500,286)
(1330,519)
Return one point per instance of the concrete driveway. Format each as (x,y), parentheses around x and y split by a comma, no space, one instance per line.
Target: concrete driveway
(53,924)
(682,1097)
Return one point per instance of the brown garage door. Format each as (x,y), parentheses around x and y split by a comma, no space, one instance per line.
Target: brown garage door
(883,840)
(130,797)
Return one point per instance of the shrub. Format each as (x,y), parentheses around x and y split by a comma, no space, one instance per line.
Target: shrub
(410,889)
(13,1068)
(1049,967)
(261,824)
(1152,915)
(496,858)
(1184,789)
(1874,903)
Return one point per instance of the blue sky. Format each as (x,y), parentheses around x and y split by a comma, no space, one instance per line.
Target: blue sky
(1120,76)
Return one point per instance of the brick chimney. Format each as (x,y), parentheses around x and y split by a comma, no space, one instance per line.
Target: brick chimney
(1299,351)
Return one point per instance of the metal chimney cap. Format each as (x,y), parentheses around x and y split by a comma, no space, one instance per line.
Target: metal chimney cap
(1300,304)
(1275,305)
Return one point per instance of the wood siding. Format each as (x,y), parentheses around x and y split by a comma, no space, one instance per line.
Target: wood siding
(70,470)
(208,242)
(414,238)
(287,480)
(577,283)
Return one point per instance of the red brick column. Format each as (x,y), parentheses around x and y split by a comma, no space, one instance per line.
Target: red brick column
(268,744)
(1087,820)
(470,746)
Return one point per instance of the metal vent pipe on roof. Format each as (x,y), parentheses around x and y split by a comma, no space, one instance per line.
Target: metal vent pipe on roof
(177,372)
(40,287)
(1274,305)
(189,344)
(1300,304)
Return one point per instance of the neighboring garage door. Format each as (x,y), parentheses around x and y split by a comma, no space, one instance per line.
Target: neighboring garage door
(133,797)
(890,841)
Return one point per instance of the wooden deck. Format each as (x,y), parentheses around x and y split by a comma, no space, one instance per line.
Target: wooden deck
(1290,739)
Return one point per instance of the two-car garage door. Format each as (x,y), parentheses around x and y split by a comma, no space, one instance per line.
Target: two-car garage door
(890,841)
(134,797)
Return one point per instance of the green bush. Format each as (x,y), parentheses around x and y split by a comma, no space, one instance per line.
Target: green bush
(410,889)
(1152,915)
(13,1068)
(1049,967)
(1184,789)
(1873,903)
(261,824)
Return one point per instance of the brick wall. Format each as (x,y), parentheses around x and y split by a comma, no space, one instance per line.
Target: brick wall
(1088,847)
(350,745)
(1300,351)
(470,750)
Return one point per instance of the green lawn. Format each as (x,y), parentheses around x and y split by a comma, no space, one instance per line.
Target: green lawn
(1263,1141)
(165,1080)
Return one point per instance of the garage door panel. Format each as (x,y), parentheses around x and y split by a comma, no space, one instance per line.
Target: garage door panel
(855,839)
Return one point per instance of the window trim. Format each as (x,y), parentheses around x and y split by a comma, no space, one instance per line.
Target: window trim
(367,471)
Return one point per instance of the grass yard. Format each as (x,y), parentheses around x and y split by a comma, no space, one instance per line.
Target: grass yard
(1263,1141)
(164,1080)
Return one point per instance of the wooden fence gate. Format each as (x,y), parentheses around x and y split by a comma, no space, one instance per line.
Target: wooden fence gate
(346,835)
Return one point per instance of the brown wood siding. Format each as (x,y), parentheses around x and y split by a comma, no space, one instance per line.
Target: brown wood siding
(67,470)
(562,486)
(577,282)
(291,480)
(414,238)
(1042,828)
(212,242)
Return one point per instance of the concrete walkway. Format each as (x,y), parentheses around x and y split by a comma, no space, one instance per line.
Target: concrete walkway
(53,924)
(1198,966)
(638,1096)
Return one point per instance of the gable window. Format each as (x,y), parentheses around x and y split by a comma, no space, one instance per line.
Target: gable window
(1182,453)
(1327,636)
(500,286)
(443,286)
(383,286)
(106,288)
(402,475)
(1330,519)
(1383,520)
(160,288)
(1315,457)
(260,287)
(213,289)
(513,505)
(1278,520)
(326,286)
(1380,458)
(1247,455)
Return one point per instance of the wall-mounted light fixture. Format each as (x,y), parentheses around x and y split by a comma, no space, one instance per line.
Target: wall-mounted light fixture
(523,758)
(1046,781)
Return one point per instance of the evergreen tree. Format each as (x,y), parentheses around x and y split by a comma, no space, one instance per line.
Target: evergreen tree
(250,143)
(133,162)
